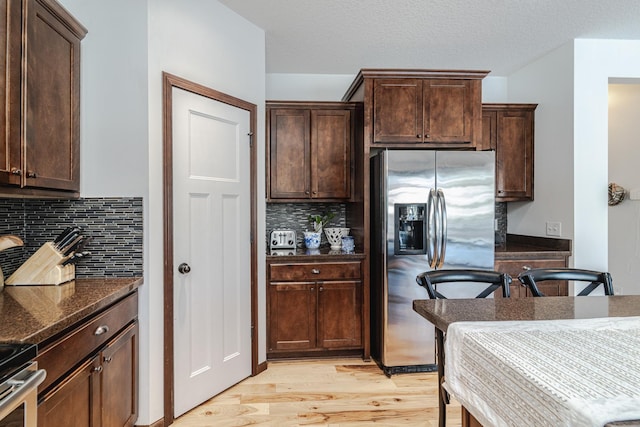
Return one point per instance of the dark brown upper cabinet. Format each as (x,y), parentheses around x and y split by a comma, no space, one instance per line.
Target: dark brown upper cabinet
(509,130)
(438,109)
(40,87)
(309,150)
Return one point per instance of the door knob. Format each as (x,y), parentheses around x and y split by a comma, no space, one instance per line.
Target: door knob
(184,268)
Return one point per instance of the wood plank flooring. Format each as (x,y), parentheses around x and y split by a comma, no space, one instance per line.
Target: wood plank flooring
(336,393)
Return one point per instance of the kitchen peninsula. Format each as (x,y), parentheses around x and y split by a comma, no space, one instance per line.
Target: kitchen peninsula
(554,316)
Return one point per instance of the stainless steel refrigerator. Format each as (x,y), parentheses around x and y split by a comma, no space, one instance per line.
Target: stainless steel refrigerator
(430,210)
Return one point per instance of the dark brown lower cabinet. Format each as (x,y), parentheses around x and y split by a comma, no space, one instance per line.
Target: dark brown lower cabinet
(314,308)
(101,389)
(515,266)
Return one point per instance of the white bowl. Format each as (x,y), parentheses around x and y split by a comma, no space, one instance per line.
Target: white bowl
(334,236)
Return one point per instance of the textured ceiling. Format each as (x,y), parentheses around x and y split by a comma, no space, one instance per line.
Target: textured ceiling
(342,36)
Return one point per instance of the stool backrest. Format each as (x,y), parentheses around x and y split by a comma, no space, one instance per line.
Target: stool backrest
(494,280)
(531,278)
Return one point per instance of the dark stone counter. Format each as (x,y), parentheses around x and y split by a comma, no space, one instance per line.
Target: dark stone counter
(320,254)
(443,312)
(516,245)
(33,314)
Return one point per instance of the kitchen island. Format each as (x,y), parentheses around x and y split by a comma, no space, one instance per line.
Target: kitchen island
(524,313)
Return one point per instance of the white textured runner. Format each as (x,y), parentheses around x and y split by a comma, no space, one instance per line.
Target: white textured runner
(582,372)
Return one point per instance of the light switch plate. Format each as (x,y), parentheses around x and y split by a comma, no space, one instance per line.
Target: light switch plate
(554,228)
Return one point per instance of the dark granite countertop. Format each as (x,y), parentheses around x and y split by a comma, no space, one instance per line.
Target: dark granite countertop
(32,314)
(321,254)
(443,312)
(517,244)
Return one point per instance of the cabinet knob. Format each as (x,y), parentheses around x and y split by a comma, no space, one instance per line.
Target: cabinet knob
(526,267)
(306,192)
(315,271)
(427,136)
(31,174)
(312,289)
(418,136)
(321,289)
(102,329)
(97,368)
(16,171)
(108,359)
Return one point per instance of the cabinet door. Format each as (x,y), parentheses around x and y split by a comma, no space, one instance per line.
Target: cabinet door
(514,155)
(515,267)
(292,316)
(331,154)
(10,63)
(52,81)
(290,155)
(339,315)
(448,111)
(119,379)
(75,402)
(397,115)
(489,136)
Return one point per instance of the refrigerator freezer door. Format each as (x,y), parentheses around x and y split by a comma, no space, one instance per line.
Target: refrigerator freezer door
(408,339)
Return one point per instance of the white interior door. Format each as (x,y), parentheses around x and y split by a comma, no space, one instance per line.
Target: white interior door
(211,235)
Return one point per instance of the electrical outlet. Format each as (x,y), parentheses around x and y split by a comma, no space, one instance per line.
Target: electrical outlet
(554,228)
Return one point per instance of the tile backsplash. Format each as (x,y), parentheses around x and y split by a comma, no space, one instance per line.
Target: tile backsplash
(295,216)
(116,225)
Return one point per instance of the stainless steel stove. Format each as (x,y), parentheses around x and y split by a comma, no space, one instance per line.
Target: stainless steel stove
(19,380)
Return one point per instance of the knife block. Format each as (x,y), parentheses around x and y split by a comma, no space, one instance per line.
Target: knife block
(43,268)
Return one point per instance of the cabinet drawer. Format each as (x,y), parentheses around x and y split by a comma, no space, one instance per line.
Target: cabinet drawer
(78,344)
(515,267)
(315,271)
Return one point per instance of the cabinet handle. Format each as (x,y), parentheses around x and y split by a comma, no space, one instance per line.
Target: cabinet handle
(16,171)
(108,359)
(315,271)
(97,368)
(102,329)
(31,174)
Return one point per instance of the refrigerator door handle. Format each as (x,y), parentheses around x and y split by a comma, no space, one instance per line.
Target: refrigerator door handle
(432,240)
(442,207)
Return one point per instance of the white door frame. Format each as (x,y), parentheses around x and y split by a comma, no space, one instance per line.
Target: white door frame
(170,81)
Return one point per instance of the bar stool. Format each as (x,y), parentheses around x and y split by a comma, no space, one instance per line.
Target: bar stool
(531,278)
(428,280)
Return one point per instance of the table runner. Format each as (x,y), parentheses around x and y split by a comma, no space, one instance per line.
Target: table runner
(578,372)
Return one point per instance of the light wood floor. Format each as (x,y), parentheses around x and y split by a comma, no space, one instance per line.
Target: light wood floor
(336,393)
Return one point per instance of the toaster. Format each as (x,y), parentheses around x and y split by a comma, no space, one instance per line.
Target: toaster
(282,239)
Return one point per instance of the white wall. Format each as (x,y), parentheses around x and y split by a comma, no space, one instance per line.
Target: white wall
(113,97)
(207,43)
(624,218)
(549,83)
(595,62)
(128,46)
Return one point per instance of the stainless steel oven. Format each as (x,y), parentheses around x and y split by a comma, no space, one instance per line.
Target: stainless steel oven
(19,380)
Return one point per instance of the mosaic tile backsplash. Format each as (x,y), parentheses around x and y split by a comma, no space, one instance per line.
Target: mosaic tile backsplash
(295,216)
(116,225)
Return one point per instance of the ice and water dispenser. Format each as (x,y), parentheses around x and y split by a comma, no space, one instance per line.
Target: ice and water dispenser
(410,228)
